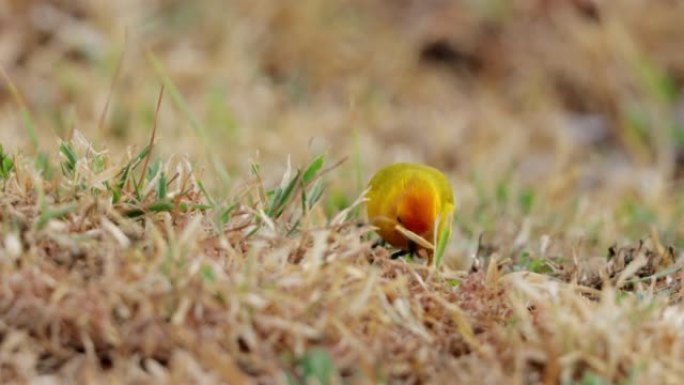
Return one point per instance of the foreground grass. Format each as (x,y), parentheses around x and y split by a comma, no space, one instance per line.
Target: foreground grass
(127,271)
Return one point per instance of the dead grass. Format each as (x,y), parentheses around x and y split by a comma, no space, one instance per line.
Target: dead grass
(171,242)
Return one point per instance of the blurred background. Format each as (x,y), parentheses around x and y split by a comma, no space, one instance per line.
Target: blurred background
(550,116)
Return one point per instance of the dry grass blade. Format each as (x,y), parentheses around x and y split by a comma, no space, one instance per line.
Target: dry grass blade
(631,269)
(410,235)
(150,145)
(115,79)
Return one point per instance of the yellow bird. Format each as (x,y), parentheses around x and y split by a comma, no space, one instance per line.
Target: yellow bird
(413,197)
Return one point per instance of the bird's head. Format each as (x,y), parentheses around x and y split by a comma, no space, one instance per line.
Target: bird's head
(417,210)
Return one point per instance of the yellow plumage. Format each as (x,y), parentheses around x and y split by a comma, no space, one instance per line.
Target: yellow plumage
(409,196)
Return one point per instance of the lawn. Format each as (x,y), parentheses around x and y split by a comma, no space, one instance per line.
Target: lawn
(181,191)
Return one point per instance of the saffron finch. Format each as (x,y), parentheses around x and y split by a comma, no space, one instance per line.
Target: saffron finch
(413,197)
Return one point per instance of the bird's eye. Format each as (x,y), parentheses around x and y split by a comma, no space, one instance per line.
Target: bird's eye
(400,221)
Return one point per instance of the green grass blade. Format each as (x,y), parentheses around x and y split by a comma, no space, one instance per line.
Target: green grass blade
(161,189)
(312,170)
(54,213)
(69,164)
(443,240)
